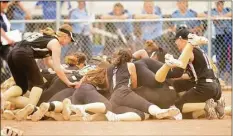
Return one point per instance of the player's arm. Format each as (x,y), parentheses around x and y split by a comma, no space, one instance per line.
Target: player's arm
(146,16)
(49,62)
(201,15)
(107,17)
(133,74)
(55,47)
(21,6)
(229,14)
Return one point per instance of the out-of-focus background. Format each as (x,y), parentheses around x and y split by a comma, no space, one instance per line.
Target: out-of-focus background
(135,22)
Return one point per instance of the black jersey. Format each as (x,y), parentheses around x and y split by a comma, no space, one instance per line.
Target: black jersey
(118,76)
(38,43)
(200,68)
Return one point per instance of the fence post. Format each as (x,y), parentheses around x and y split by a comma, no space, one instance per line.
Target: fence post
(58,14)
(209,29)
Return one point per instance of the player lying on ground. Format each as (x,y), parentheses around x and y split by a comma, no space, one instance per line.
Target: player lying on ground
(124,108)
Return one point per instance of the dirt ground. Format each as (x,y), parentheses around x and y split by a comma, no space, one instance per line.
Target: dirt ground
(152,127)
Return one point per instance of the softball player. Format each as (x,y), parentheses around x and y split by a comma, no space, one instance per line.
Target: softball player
(21,60)
(202,86)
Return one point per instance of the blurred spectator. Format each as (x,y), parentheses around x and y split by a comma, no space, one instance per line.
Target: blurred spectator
(123,29)
(184,12)
(4,49)
(150,30)
(223,42)
(82,30)
(49,8)
(17,11)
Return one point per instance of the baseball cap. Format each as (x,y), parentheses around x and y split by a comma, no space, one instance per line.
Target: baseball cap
(182,33)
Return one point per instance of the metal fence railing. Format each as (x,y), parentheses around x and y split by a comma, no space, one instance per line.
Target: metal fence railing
(96,35)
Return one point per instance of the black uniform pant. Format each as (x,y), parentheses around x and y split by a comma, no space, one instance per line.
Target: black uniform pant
(146,69)
(197,93)
(84,95)
(124,100)
(24,68)
(55,86)
(162,97)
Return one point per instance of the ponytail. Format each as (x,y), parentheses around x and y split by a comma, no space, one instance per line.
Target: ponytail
(48,31)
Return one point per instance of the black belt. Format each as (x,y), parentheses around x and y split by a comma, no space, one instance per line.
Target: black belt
(207,80)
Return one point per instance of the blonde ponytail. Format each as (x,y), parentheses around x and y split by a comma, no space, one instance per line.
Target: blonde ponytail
(48,31)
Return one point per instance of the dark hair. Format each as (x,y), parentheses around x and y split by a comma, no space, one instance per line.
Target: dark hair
(121,56)
(161,54)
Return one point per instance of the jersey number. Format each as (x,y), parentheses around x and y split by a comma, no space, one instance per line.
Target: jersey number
(33,37)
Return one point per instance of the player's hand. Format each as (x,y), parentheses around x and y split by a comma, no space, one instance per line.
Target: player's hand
(72,84)
(78,84)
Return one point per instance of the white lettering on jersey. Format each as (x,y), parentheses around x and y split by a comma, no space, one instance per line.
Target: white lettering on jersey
(33,37)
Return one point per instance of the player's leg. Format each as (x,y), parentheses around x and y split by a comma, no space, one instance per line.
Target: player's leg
(124,96)
(162,97)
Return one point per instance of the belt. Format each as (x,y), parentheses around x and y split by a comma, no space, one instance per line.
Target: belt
(206,80)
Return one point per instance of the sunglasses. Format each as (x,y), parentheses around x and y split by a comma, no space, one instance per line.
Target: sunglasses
(5,1)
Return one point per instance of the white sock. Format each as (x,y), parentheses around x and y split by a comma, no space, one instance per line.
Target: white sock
(153,110)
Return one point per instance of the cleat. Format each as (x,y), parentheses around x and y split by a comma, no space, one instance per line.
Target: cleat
(167,113)
(9,106)
(220,108)
(112,117)
(76,118)
(23,113)
(98,117)
(80,118)
(171,62)
(78,110)
(210,109)
(197,40)
(9,131)
(177,117)
(41,111)
(8,115)
(55,116)
(66,112)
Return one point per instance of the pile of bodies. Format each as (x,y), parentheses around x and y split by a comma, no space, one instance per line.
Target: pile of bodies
(147,84)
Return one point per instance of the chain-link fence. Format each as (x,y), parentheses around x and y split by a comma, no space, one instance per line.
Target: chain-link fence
(102,27)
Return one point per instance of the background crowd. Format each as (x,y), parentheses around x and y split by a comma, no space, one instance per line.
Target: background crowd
(131,34)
